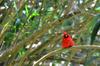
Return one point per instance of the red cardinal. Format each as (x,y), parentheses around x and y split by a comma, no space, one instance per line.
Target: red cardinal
(67,41)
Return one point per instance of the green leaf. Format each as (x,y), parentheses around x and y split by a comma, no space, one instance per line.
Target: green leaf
(97,9)
(35,13)
(26,9)
(15,6)
(21,52)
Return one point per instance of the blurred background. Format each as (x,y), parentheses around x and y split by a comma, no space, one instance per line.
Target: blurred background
(31,32)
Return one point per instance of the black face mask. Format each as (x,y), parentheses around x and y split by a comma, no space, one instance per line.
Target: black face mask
(65,36)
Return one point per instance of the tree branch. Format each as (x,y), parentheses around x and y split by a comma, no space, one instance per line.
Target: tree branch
(60,50)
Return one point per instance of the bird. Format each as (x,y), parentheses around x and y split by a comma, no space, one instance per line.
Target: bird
(67,40)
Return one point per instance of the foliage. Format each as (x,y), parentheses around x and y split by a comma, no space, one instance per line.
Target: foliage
(38,25)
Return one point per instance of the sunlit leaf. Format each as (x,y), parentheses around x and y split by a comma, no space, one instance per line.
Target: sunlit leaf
(35,13)
(97,9)
(26,9)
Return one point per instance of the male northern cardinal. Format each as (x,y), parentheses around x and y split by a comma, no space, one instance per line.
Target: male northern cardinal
(67,41)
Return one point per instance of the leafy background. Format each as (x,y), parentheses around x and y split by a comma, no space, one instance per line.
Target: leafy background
(31,32)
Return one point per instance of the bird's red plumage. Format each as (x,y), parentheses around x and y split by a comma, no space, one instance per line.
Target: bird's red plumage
(68,41)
